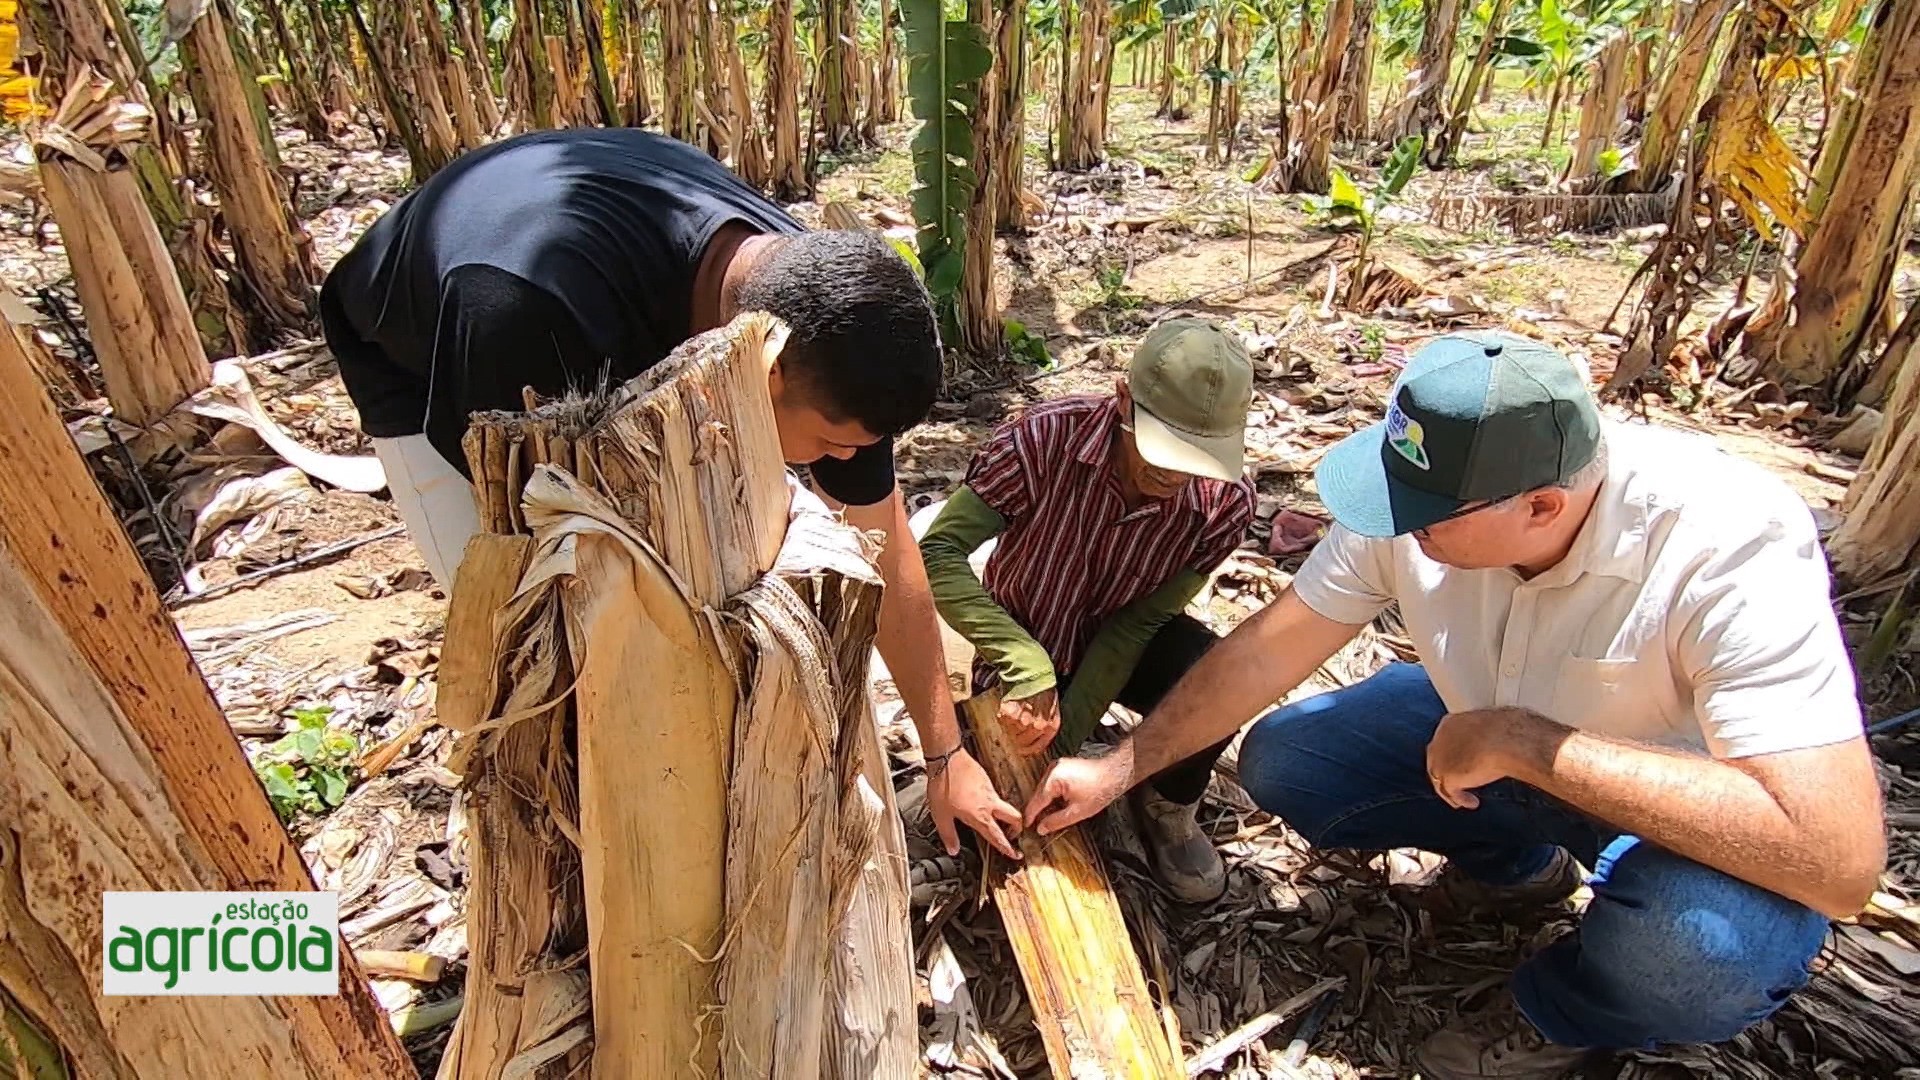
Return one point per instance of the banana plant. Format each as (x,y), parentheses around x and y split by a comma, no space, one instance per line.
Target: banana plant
(1136,26)
(1226,68)
(1137,22)
(1347,202)
(1564,40)
(946,59)
(1043,35)
(1398,31)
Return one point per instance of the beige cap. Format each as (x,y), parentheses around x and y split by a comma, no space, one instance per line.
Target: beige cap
(1191,383)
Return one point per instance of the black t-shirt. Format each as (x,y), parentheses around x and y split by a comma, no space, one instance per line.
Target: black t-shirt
(554,260)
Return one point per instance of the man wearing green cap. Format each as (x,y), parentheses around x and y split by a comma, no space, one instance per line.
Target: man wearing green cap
(1109,512)
(1628,661)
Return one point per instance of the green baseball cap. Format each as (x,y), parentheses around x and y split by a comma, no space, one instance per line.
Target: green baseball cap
(1479,416)
(1191,383)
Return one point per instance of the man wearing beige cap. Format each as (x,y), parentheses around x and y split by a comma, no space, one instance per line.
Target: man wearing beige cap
(1628,662)
(1109,511)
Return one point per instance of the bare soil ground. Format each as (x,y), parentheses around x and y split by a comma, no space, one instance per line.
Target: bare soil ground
(1155,232)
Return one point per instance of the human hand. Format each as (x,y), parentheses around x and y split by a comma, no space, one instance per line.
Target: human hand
(963,792)
(1032,721)
(1076,788)
(1475,748)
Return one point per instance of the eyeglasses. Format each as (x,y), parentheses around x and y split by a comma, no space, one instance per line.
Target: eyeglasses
(1469,511)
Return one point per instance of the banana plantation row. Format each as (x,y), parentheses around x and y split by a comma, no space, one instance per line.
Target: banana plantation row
(1663,100)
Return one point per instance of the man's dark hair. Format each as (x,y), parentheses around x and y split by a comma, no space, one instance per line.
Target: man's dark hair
(863,344)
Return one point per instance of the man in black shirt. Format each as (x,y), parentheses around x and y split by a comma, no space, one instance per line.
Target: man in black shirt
(562,259)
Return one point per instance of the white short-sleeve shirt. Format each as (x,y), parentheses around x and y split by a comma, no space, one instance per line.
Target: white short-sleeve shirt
(1693,611)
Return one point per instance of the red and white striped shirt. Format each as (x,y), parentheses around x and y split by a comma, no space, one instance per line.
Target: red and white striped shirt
(1073,554)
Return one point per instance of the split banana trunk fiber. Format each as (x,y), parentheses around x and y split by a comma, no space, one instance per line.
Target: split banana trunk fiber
(676,749)
(1083,978)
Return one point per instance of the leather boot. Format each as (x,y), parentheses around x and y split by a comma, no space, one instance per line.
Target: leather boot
(1184,860)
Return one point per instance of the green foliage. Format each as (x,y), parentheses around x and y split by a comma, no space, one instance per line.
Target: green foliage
(1114,294)
(1346,202)
(1027,346)
(1398,29)
(1558,30)
(1343,198)
(149,21)
(1043,27)
(308,770)
(745,16)
(1559,41)
(911,256)
(1399,170)
(1518,48)
(1373,340)
(1611,162)
(1137,22)
(26,1051)
(1213,15)
(946,59)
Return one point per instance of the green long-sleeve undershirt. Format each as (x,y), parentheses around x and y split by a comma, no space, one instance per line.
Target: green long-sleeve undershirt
(1025,669)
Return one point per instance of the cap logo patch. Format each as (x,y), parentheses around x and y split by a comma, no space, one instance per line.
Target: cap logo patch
(1406,436)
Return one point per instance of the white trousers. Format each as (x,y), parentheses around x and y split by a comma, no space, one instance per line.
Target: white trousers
(434,501)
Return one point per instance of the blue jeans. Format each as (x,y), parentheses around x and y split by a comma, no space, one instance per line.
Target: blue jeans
(1669,950)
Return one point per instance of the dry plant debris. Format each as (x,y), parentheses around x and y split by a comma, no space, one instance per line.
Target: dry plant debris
(1294,919)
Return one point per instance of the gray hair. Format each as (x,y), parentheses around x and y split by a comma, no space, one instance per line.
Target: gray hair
(1590,474)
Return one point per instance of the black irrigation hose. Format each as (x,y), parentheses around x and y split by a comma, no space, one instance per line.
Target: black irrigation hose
(58,307)
(168,538)
(1296,1052)
(317,555)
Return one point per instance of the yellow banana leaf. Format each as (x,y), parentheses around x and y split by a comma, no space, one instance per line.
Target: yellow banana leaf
(19,96)
(1794,68)
(1753,166)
